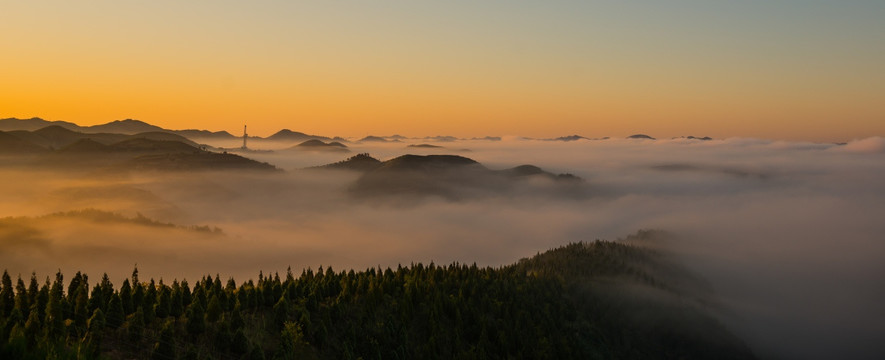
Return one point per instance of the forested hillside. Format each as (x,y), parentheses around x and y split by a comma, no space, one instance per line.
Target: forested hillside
(598,300)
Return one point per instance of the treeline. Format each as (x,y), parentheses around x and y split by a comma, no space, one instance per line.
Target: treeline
(544,307)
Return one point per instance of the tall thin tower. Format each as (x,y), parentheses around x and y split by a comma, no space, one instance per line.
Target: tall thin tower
(245,136)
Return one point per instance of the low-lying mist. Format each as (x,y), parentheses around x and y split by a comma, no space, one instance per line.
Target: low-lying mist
(790,235)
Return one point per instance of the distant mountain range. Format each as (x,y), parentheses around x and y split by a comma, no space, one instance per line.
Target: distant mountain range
(133,127)
(317,145)
(55,146)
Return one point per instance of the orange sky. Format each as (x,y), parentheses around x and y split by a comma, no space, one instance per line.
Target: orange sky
(794,70)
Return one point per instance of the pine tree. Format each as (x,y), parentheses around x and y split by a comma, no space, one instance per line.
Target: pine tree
(164,348)
(281,311)
(126,297)
(164,302)
(21,298)
(115,316)
(7,296)
(135,325)
(239,344)
(176,305)
(196,322)
(91,343)
(81,310)
(96,322)
(54,323)
(236,318)
(33,328)
(213,312)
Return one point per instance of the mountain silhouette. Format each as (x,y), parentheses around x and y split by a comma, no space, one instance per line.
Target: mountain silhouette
(451,177)
(640,136)
(205,134)
(289,135)
(443,138)
(569,138)
(372,138)
(317,145)
(11,144)
(85,146)
(196,161)
(705,138)
(10,124)
(57,137)
(360,162)
(128,126)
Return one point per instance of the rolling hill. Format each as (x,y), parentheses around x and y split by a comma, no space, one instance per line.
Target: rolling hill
(448,176)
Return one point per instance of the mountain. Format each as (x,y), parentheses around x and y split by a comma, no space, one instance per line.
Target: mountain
(147,145)
(372,138)
(425,146)
(441,138)
(11,144)
(640,136)
(206,134)
(32,124)
(450,177)
(317,145)
(488,138)
(196,161)
(56,137)
(289,135)
(127,126)
(85,146)
(569,138)
(586,300)
(359,162)
(705,138)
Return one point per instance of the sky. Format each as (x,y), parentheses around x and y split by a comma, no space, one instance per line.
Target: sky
(786,69)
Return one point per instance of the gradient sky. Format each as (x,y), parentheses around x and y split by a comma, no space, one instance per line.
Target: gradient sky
(787,69)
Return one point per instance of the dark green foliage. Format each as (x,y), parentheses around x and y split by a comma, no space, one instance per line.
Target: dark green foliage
(196,321)
(115,316)
(7,296)
(213,310)
(239,343)
(164,303)
(135,325)
(164,348)
(126,297)
(599,300)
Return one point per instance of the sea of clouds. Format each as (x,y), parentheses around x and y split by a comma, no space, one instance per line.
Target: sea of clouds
(791,235)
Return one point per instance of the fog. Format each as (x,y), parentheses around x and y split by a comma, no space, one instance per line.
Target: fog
(789,234)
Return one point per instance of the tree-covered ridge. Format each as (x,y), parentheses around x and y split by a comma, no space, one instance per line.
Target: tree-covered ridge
(554,305)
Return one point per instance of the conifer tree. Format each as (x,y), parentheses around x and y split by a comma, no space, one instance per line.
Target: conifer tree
(164,348)
(196,322)
(115,316)
(213,312)
(21,298)
(126,297)
(33,328)
(176,305)
(54,323)
(163,306)
(7,296)
(135,325)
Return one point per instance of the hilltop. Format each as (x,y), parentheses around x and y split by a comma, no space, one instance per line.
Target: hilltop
(449,176)
(57,147)
(318,145)
(586,300)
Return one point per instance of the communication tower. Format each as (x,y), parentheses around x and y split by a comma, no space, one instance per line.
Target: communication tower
(245,136)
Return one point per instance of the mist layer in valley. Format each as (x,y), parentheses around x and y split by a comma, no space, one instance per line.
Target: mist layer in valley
(788,234)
